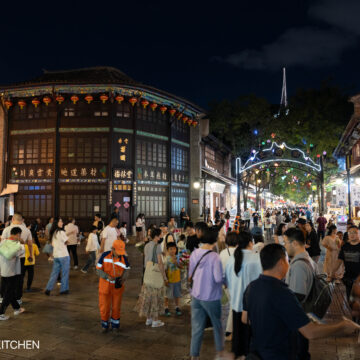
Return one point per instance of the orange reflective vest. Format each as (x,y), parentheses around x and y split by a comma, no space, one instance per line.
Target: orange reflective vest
(113,267)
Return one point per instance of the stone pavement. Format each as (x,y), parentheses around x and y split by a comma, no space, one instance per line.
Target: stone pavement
(68,327)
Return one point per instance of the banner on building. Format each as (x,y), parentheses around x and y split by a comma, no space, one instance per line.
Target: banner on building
(341,195)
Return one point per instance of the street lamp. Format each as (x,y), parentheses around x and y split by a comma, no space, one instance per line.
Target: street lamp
(197,185)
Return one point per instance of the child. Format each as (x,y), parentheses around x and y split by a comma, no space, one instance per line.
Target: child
(31,250)
(9,270)
(172,268)
(181,242)
(91,247)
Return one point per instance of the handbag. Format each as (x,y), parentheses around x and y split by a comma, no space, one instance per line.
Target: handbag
(48,249)
(191,277)
(153,277)
(9,248)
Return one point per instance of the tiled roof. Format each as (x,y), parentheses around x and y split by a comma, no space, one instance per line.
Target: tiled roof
(93,75)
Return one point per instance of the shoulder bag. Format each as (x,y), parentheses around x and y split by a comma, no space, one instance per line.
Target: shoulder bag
(9,248)
(191,277)
(153,277)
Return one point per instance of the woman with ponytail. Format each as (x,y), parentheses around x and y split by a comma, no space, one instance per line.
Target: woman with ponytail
(241,269)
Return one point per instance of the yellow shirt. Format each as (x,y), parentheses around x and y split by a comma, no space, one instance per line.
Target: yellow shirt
(172,271)
(35,252)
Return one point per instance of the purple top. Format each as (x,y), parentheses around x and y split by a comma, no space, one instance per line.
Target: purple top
(208,279)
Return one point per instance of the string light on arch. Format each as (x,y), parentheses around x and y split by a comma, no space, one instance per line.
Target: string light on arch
(295,152)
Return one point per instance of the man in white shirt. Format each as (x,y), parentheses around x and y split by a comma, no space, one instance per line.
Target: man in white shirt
(18,221)
(109,235)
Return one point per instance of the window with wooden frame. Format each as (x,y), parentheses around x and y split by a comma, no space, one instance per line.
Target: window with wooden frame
(32,151)
(83,150)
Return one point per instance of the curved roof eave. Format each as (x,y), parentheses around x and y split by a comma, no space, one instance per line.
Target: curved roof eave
(13,89)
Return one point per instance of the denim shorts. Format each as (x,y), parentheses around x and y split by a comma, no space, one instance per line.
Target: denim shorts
(173,290)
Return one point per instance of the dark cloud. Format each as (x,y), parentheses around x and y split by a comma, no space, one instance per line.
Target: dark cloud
(308,46)
(343,14)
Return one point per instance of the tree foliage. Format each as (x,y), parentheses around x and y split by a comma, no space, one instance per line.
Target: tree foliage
(314,123)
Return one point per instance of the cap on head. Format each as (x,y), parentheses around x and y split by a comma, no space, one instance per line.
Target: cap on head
(119,247)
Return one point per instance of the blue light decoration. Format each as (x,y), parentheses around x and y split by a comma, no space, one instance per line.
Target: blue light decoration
(254,160)
(304,141)
(256,132)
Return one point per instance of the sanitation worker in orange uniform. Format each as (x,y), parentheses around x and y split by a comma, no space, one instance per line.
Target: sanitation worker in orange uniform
(112,267)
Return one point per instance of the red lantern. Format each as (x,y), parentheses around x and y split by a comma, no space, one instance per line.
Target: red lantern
(104,98)
(163,109)
(185,119)
(60,99)
(47,100)
(273,135)
(74,99)
(35,102)
(194,123)
(133,101)
(8,104)
(144,103)
(119,99)
(189,121)
(21,103)
(172,112)
(153,106)
(89,98)
(179,115)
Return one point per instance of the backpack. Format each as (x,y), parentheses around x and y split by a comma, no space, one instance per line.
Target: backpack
(320,295)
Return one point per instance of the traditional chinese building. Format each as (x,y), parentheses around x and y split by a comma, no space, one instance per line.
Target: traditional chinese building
(216,160)
(81,142)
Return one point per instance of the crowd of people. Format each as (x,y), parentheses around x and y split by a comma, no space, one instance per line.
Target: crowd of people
(250,281)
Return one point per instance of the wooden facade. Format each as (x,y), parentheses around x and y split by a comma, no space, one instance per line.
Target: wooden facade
(75,160)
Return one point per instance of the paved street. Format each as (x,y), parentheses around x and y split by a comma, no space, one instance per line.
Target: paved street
(68,327)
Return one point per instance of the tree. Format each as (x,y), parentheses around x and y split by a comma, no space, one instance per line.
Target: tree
(315,122)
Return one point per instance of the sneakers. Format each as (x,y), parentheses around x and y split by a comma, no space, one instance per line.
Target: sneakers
(167,312)
(83,271)
(4,317)
(47,292)
(178,312)
(76,267)
(148,322)
(1,300)
(19,301)
(58,283)
(19,311)
(157,323)
(66,292)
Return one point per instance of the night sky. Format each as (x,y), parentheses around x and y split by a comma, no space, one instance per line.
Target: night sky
(200,50)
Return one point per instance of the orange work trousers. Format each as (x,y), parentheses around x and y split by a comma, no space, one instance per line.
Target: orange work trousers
(111,301)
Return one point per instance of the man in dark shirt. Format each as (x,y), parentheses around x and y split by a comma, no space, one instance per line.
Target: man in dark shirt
(350,256)
(274,313)
(192,241)
(321,226)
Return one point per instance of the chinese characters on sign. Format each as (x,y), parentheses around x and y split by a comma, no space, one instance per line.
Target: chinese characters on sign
(134,194)
(145,174)
(110,192)
(31,172)
(123,143)
(123,174)
(82,172)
